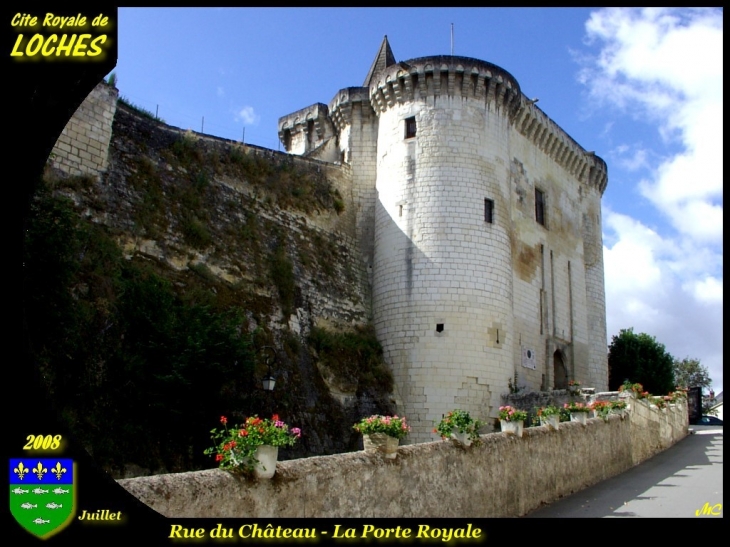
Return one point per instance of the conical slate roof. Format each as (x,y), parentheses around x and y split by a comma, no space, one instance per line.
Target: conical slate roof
(383,59)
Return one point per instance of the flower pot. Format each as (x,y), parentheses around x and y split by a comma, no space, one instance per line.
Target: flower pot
(461,438)
(381,442)
(581,417)
(512,428)
(552,421)
(266,465)
(267,457)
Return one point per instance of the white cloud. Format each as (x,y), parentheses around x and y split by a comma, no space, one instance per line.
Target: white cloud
(663,68)
(652,287)
(631,159)
(247,116)
(707,290)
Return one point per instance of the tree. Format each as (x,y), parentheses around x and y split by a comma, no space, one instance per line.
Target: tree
(690,373)
(639,358)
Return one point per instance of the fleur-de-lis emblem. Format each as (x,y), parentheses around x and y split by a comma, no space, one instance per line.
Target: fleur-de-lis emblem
(58,470)
(21,471)
(39,470)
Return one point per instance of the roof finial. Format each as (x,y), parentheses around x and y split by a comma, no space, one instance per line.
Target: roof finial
(383,59)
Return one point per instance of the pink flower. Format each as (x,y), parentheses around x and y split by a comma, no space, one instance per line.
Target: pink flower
(296,431)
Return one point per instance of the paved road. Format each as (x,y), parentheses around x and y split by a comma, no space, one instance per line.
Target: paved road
(676,483)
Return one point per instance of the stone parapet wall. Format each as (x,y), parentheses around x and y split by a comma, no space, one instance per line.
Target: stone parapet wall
(503,477)
(654,429)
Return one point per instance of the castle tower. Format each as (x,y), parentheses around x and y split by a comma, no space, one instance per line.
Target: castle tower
(442,290)
(480,219)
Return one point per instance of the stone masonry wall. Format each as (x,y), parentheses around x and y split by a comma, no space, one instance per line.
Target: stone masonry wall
(503,477)
(82,147)
(252,206)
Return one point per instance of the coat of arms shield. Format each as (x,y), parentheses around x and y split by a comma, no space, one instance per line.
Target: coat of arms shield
(42,494)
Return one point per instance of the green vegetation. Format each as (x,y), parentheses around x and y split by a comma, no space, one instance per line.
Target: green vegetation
(289,185)
(338,202)
(186,149)
(281,270)
(639,358)
(143,111)
(354,354)
(690,373)
(122,352)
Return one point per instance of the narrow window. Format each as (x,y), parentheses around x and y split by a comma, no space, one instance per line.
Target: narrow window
(540,206)
(410,127)
(488,210)
(400,210)
(439,327)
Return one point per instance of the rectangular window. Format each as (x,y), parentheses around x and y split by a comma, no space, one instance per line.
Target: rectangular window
(488,210)
(540,206)
(410,127)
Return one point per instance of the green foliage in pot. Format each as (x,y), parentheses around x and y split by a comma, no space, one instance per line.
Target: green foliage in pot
(461,421)
(393,426)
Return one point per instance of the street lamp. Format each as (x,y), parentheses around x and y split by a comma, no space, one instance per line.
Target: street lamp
(269,381)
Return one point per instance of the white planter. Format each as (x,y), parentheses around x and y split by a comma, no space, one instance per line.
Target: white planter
(512,428)
(265,466)
(381,442)
(581,417)
(552,421)
(461,438)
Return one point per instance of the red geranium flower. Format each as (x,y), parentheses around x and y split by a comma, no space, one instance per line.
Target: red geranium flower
(224,420)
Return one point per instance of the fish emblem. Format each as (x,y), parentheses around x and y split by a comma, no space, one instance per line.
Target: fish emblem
(41,521)
(27,505)
(40,491)
(53,505)
(19,491)
(59,491)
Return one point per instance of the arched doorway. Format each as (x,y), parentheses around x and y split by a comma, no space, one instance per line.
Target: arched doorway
(559,371)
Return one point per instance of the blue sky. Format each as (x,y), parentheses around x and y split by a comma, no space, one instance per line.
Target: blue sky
(640,87)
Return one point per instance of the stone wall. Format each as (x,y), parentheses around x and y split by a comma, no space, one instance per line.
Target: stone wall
(503,477)
(82,147)
(247,209)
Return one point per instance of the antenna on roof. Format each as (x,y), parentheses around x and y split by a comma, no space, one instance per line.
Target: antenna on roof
(452,39)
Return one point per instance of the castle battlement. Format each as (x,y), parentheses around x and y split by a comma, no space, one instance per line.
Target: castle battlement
(306,129)
(341,105)
(424,77)
(549,137)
